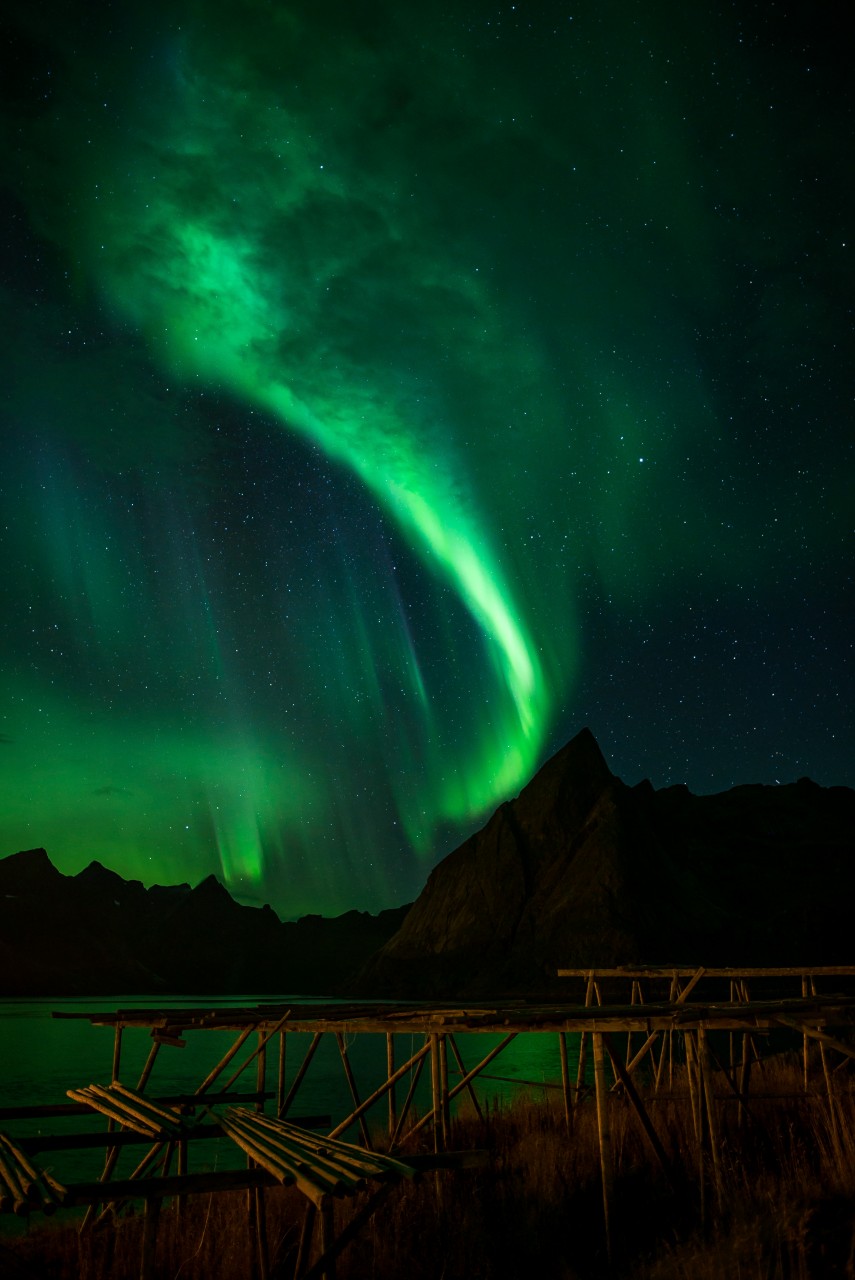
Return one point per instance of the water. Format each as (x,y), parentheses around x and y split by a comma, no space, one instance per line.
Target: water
(41,1057)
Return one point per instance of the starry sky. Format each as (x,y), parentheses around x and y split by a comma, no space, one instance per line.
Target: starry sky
(391,391)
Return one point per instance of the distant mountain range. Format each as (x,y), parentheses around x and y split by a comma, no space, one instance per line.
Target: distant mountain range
(97,934)
(579,869)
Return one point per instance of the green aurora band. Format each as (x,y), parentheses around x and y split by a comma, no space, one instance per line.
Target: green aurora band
(375,372)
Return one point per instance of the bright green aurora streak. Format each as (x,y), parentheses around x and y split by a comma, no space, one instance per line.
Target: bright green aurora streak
(212,305)
(392,390)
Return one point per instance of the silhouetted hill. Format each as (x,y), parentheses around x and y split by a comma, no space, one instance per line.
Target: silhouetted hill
(97,934)
(581,869)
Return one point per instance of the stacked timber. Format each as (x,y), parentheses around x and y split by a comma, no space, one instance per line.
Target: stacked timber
(23,1187)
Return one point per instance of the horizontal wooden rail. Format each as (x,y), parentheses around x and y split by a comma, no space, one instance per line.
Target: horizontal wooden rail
(41,1110)
(678,971)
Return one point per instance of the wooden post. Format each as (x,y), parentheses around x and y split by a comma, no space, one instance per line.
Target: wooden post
(224,1062)
(117,1051)
(180,1201)
(255,1264)
(149,1066)
(328,1234)
(470,1088)
(583,1044)
(418,1057)
(692,1080)
(693,1074)
(604,1133)
(345,1062)
(113,1153)
(260,1216)
(390,1071)
(632,1000)
(641,1112)
(805,1050)
(443,1088)
(255,1202)
(304,1248)
(565,1082)
(712,1120)
(411,1093)
(280,1073)
(301,1071)
(744,1078)
(436,1092)
(149,1240)
(583,1062)
(261,1070)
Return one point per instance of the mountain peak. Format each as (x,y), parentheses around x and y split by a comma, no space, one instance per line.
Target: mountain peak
(29,871)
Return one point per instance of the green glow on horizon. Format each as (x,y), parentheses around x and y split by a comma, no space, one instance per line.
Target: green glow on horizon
(166,794)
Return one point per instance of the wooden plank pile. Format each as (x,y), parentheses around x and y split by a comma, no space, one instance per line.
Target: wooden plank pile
(131,1109)
(23,1186)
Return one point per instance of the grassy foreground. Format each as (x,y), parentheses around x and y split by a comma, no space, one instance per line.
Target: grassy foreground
(785,1205)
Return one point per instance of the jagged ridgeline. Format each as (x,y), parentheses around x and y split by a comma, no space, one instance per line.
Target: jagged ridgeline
(579,869)
(97,934)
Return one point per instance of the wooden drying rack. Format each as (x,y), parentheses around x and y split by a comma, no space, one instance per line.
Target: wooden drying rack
(656,1011)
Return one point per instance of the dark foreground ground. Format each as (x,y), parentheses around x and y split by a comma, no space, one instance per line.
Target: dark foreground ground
(778,1202)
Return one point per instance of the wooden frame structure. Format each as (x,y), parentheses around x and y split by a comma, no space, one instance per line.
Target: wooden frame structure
(645,1032)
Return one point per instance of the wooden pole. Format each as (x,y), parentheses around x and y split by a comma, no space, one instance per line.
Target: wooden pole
(411,1093)
(260,1216)
(351,1082)
(303,1068)
(469,1087)
(445,1112)
(632,1000)
(712,1119)
(565,1082)
(327,1234)
(418,1057)
(261,1071)
(604,1135)
(694,1077)
(580,1070)
(180,1201)
(744,1079)
(224,1061)
(435,1089)
(641,1112)
(117,1051)
(805,1047)
(692,1080)
(390,1073)
(113,1154)
(149,1240)
(255,1202)
(280,1072)
(264,1037)
(304,1248)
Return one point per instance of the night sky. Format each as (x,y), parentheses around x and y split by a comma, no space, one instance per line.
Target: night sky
(390,391)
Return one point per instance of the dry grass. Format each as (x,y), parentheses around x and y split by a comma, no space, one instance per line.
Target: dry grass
(785,1206)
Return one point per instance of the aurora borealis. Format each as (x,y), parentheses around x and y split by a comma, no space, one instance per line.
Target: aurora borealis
(390,392)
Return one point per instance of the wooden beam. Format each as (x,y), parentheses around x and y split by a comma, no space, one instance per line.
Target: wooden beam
(641,1112)
(351,1083)
(604,1134)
